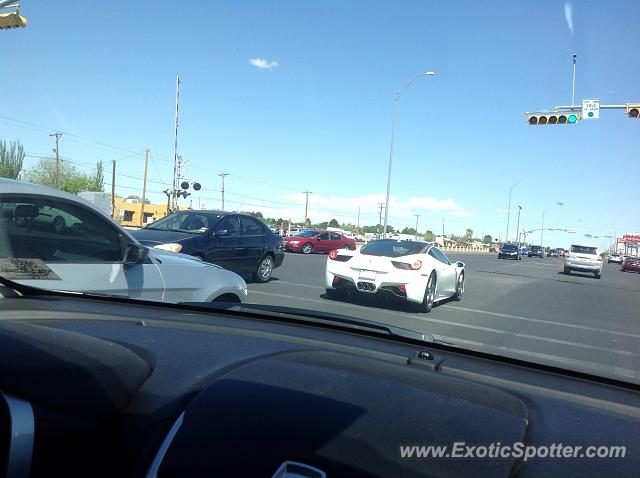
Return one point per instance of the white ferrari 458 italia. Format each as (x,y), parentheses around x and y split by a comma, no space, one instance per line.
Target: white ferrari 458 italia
(414,271)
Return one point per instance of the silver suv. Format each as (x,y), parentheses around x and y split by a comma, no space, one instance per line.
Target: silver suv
(583,258)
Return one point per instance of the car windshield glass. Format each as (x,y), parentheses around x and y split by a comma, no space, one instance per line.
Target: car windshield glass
(392,248)
(584,249)
(277,154)
(192,222)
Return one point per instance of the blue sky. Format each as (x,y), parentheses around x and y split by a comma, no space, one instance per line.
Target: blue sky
(319,118)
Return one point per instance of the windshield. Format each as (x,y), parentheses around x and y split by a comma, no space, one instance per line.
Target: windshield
(192,222)
(308,234)
(390,248)
(297,146)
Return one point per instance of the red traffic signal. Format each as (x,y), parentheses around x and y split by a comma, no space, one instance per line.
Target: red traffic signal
(633,111)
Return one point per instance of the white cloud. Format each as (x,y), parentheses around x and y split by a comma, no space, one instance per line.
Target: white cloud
(502,211)
(568,15)
(263,63)
(439,205)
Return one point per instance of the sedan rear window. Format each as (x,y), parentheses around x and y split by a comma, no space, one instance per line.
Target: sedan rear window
(392,248)
(584,250)
(510,247)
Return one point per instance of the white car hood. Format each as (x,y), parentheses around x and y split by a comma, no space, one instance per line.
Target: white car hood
(178,258)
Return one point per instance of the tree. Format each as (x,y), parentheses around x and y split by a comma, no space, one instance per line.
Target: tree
(98,178)
(138,198)
(487,239)
(429,236)
(334,223)
(409,230)
(468,235)
(11,159)
(70,179)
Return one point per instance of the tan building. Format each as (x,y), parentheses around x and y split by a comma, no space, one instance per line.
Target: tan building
(128,212)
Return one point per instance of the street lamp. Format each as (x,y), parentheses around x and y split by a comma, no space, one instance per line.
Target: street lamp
(517,227)
(397,96)
(506,237)
(545,212)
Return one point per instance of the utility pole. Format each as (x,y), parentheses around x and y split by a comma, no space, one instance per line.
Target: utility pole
(173,199)
(573,87)
(443,231)
(144,186)
(381,205)
(57,151)
(518,227)
(222,176)
(113,188)
(358,229)
(417,216)
(306,206)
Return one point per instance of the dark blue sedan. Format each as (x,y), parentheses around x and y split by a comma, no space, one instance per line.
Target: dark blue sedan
(237,242)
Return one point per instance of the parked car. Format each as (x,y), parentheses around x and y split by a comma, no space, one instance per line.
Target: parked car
(630,263)
(552,253)
(535,251)
(413,271)
(615,257)
(237,242)
(509,251)
(318,241)
(93,254)
(583,258)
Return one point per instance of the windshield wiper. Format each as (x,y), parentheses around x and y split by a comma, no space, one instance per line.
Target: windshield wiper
(312,316)
(252,311)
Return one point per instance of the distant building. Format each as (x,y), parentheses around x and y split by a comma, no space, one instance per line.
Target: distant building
(128,212)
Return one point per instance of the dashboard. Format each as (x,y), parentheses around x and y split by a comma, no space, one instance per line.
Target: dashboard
(109,388)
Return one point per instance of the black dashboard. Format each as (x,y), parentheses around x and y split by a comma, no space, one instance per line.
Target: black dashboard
(137,390)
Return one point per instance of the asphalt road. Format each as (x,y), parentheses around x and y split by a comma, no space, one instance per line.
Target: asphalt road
(526,309)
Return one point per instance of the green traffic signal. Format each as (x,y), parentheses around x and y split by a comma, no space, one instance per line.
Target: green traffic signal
(552,118)
(573,118)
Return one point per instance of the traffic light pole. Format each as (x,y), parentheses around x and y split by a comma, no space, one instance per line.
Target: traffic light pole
(573,108)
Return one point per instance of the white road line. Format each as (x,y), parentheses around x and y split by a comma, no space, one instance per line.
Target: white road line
(542,321)
(466,326)
(282,282)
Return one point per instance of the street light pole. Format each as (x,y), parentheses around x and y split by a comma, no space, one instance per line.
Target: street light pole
(518,227)
(506,237)
(397,96)
(543,214)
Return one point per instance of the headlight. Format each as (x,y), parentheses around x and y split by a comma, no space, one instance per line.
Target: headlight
(294,242)
(171,246)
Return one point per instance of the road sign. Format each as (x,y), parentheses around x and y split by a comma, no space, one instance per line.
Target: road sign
(590,109)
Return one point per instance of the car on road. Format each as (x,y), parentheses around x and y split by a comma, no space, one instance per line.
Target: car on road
(630,263)
(583,258)
(535,251)
(413,271)
(237,242)
(615,257)
(93,254)
(552,253)
(524,251)
(310,241)
(509,251)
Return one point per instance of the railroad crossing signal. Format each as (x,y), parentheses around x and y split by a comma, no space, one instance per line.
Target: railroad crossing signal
(633,110)
(552,118)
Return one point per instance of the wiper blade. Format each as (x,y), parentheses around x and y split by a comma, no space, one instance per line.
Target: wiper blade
(246,310)
(312,316)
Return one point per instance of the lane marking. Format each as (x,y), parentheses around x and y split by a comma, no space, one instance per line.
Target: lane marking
(465,326)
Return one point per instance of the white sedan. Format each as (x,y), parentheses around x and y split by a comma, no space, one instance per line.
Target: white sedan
(93,254)
(417,272)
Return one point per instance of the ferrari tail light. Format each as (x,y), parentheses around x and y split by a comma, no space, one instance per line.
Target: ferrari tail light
(333,254)
(406,266)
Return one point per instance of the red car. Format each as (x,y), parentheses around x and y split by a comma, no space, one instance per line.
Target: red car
(630,264)
(318,241)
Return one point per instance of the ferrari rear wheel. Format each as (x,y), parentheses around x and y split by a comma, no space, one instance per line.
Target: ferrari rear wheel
(459,287)
(429,295)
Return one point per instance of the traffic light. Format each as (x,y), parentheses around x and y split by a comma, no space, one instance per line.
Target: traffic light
(552,118)
(12,20)
(633,110)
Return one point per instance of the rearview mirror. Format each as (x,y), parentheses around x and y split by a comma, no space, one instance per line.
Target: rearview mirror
(135,254)
(459,264)
(26,211)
